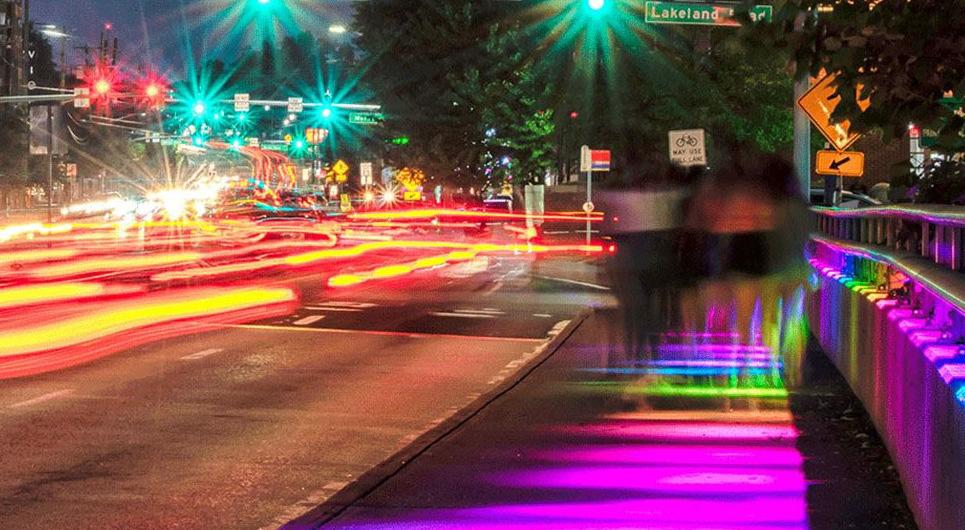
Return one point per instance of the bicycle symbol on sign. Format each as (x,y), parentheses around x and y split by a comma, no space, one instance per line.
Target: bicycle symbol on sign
(687,140)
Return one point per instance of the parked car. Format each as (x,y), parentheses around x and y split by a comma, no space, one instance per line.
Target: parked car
(849,199)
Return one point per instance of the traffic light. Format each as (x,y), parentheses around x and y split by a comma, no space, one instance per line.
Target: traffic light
(102,87)
(596,5)
(401,140)
(152,92)
(327,112)
(199,108)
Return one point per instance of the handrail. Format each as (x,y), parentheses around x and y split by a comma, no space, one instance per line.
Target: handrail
(935,232)
(929,213)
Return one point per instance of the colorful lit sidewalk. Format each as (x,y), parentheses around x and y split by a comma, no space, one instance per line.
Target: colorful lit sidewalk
(657,445)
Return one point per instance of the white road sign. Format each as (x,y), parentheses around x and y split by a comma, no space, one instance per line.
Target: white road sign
(242,102)
(687,147)
(296,105)
(365,173)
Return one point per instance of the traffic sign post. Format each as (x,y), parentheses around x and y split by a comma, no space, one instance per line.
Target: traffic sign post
(841,164)
(819,103)
(592,160)
(707,14)
(688,147)
(365,174)
(242,102)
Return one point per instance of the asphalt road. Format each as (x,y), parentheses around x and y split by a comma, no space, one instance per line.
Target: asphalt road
(250,426)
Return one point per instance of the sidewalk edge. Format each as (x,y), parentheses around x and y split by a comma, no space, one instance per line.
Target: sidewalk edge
(374,478)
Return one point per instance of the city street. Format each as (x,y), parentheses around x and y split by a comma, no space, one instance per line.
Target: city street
(254,424)
(482,265)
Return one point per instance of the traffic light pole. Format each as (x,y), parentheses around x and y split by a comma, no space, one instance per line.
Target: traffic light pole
(50,164)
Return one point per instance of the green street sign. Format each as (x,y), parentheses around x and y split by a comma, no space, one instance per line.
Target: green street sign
(366,118)
(716,14)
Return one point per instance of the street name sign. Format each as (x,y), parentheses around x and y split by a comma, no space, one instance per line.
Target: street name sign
(82,98)
(594,159)
(366,118)
(242,102)
(709,14)
(819,103)
(842,164)
(687,147)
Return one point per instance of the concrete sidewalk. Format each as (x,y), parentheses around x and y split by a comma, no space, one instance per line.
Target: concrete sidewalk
(580,444)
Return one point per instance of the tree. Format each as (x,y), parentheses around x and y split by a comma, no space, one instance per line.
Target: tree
(907,56)
(453,78)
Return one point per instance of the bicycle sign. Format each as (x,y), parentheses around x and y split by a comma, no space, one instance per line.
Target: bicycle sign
(687,147)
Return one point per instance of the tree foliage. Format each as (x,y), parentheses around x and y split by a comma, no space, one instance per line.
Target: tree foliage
(907,55)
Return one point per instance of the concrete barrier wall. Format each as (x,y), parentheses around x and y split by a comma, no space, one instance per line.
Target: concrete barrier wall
(910,379)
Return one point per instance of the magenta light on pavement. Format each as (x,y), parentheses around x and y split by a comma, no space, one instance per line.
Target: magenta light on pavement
(693,432)
(661,480)
(713,456)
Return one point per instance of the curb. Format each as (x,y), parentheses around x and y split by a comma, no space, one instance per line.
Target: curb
(383,472)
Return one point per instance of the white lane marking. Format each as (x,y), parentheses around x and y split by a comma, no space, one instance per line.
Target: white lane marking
(574,282)
(41,399)
(542,315)
(341,331)
(308,321)
(354,305)
(201,354)
(335,309)
(487,311)
(497,285)
(462,315)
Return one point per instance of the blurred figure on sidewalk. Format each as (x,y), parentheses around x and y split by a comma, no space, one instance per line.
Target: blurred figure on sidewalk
(754,220)
(644,215)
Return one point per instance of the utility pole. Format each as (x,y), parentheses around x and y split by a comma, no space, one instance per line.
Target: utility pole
(802,126)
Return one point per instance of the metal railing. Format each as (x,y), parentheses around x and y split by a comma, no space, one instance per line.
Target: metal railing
(933,232)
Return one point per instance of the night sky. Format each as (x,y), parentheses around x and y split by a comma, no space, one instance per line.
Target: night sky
(165,32)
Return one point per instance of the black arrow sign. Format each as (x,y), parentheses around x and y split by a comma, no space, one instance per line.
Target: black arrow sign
(838,163)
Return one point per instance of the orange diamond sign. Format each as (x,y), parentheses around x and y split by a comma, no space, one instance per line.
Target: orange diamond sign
(819,103)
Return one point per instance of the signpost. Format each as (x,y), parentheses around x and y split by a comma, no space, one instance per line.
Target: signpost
(688,147)
(366,118)
(365,174)
(708,14)
(242,102)
(82,98)
(840,163)
(819,103)
(592,160)
(341,171)
(296,105)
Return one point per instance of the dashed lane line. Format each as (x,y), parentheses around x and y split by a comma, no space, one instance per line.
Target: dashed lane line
(334,309)
(202,354)
(308,321)
(407,334)
(462,315)
(40,399)
(575,282)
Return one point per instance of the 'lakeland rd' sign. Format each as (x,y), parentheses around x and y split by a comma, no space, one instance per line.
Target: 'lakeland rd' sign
(718,14)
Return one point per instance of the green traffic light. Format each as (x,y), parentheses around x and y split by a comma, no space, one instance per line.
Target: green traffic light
(596,5)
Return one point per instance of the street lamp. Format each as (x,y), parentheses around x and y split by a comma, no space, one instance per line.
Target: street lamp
(337,29)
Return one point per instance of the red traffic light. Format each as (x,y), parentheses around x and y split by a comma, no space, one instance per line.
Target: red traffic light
(102,87)
(152,91)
